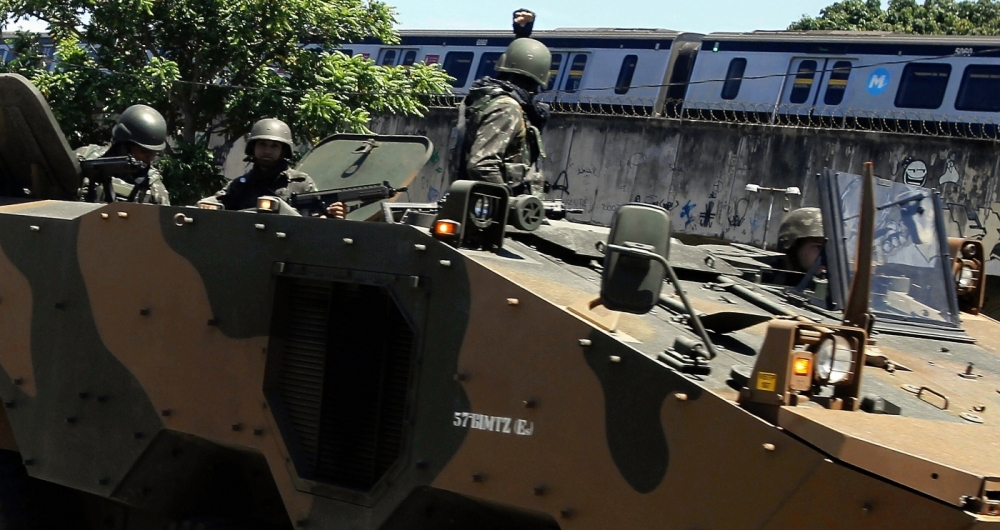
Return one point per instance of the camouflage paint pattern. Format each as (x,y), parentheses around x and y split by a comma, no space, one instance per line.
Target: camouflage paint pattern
(126,326)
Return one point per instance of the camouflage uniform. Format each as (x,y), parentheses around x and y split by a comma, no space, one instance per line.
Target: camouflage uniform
(157,193)
(281,181)
(501,145)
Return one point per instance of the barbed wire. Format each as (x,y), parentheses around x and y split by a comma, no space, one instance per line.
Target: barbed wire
(770,115)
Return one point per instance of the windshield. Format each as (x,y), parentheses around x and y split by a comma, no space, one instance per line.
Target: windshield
(911,279)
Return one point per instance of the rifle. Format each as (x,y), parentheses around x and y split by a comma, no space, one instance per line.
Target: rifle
(101,170)
(315,203)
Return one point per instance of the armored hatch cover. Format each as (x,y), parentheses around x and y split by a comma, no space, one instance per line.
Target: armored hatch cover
(581,239)
(347,160)
(34,153)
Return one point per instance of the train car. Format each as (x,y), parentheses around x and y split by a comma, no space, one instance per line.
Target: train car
(48,48)
(589,66)
(859,74)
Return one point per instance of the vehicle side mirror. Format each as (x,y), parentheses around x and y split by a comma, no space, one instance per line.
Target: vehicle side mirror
(635,260)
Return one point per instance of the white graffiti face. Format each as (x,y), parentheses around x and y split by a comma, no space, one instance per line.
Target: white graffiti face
(915,173)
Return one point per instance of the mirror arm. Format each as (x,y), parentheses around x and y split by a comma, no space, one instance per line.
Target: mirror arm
(695,321)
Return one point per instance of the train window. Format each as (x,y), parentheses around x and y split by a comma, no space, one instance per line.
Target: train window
(837,85)
(487,64)
(554,70)
(734,78)
(803,82)
(980,85)
(923,85)
(576,68)
(625,74)
(458,64)
(409,57)
(388,58)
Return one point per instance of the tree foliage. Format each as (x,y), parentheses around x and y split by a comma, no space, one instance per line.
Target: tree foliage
(932,17)
(213,67)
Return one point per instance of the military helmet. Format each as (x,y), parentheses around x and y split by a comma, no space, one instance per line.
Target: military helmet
(270,129)
(527,57)
(800,224)
(141,125)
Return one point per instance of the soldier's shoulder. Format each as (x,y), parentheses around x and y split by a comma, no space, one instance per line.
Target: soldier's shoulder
(89,152)
(295,175)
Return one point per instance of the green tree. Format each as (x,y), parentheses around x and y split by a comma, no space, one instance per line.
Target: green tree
(213,67)
(932,17)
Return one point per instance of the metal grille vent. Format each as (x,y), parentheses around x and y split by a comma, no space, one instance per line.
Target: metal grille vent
(345,355)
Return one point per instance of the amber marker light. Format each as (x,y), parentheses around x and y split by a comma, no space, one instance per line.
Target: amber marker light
(802,366)
(445,228)
(264,203)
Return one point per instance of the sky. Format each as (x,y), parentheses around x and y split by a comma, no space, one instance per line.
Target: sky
(700,16)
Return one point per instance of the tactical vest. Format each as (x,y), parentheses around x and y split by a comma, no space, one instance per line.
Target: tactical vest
(522,152)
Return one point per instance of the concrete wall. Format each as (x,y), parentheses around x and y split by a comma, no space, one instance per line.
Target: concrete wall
(699,170)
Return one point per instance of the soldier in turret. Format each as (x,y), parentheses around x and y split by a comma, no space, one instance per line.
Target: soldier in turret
(801,238)
(502,138)
(269,147)
(141,132)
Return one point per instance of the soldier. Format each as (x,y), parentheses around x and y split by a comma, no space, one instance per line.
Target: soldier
(801,238)
(270,149)
(140,132)
(502,138)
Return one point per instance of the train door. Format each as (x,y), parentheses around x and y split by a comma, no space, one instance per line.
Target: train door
(396,57)
(566,74)
(816,82)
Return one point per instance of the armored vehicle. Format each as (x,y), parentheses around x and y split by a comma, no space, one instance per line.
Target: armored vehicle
(429,367)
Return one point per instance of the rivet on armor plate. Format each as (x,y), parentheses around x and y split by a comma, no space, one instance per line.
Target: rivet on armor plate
(769,447)
(166,412)
(539,490)
(35,228)
(415,281)
(348,241)
(123,215)
(681,396)
(419,246)
(18,381)
(585,342)
(258,432)
(530,403)
(281,235)
(259,226)
(615,359)
(105,216)
(513,301)
(446,263)
(567,513)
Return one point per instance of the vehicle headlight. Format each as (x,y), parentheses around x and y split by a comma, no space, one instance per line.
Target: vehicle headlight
(834,361)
